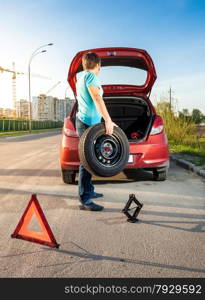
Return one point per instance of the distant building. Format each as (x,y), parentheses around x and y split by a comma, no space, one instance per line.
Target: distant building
(64,109)
(50,108)
(43,108)
(22,109)
(1,111)
(56,109)
(71,102)
(8,112)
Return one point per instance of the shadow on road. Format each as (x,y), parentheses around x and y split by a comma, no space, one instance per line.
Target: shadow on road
(162,223)
(131,175)
(199,225)
(172,214)
(175,204)
(87,256)
(140,176)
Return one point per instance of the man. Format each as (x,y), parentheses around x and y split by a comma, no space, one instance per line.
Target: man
(91,108)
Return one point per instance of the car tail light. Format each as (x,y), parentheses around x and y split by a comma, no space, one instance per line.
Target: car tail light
(69,129)
(70,132)
(157,126)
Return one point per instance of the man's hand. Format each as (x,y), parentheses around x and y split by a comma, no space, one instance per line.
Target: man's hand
(100,104)
(109,126)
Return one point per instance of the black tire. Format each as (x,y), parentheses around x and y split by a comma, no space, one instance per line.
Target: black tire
(101,154)
(68,176)
(159,175)
(130,173)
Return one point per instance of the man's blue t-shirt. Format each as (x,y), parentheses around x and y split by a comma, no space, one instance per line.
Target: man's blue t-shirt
(87,111)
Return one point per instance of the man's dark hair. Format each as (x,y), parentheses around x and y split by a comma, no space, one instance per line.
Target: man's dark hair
(90,60)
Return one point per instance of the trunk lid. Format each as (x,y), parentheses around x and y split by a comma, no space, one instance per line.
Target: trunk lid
(118,56)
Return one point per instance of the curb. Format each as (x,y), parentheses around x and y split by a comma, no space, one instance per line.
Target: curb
(187,165)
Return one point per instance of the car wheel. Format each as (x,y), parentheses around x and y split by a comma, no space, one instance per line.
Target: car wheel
(68,176)
(159,175)
(101,154)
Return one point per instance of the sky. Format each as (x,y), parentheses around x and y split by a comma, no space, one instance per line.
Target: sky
(171,31)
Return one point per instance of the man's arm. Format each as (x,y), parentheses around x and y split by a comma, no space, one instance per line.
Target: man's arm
(100,104)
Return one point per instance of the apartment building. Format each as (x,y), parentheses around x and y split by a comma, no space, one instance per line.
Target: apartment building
(50,108)
(8,112)
(22,109)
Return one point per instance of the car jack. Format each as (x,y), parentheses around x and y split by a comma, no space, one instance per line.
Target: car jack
(132,218)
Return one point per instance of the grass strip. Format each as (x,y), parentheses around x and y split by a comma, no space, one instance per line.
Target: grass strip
(192,153)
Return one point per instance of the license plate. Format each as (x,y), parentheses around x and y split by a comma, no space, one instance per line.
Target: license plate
(130,159)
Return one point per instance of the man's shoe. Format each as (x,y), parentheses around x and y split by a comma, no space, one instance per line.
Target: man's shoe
(96,195)
(92,206)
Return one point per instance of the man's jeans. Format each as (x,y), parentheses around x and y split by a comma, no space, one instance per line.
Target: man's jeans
(85,186)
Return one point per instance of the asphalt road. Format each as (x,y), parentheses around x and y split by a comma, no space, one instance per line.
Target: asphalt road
(168,240)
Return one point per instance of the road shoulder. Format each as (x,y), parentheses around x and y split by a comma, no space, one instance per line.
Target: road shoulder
(188,165)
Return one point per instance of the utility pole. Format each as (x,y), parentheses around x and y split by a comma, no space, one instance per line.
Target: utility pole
(170,98)
(14,86)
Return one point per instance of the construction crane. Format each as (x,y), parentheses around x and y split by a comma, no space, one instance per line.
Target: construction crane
(43,105)
(44,95)
(55,85)
(14,73)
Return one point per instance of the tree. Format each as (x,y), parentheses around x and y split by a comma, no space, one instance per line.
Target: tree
(203,119)
(185,112)
(197,116)
(185,115)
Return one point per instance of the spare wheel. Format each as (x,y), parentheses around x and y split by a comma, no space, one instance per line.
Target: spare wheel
(103,155)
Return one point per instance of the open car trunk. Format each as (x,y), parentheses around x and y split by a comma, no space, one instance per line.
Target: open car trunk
(131,114)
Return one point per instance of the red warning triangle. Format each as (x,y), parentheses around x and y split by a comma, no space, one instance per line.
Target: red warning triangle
(45,237)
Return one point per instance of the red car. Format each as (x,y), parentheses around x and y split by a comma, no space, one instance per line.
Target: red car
(129,106)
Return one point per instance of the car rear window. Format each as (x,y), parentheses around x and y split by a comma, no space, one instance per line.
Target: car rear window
(121,75)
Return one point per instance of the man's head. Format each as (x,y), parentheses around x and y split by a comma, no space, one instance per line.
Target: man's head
(91,62)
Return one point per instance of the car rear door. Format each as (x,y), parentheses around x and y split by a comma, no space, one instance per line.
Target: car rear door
(118,56)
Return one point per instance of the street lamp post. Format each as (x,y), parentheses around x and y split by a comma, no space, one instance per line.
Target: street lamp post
(66,91)
(36,52)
